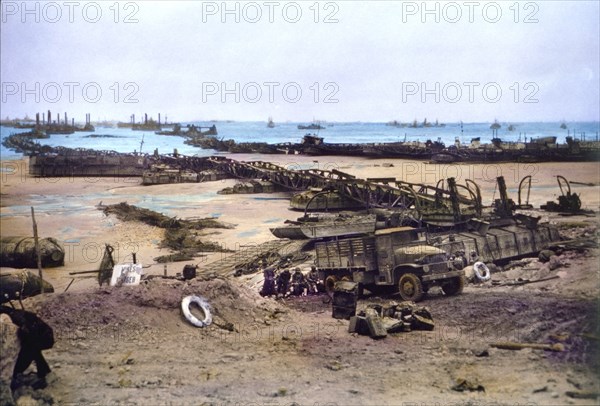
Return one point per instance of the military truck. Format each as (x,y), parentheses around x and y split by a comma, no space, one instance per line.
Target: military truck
(397,257)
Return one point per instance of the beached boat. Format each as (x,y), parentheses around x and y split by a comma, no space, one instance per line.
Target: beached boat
(537,150)
(409,150)
(324,227)
(163,174)
(72,162)
(334,149)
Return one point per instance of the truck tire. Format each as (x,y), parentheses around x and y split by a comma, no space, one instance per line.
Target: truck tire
(330,284)
(410,287)
(454,286)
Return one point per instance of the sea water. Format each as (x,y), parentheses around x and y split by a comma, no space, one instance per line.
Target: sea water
(127,140)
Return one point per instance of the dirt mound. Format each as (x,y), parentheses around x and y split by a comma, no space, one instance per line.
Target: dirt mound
(154,305)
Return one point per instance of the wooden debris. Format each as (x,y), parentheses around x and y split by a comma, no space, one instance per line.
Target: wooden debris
(180,235)
(582,395)
(37,248)
(574,245)
(507,345)
(519,282)
(463,384)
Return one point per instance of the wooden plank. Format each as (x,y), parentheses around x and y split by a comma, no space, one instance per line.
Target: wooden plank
(37,250)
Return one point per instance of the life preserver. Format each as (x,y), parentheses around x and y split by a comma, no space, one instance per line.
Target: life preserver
(482,272)
(185,308)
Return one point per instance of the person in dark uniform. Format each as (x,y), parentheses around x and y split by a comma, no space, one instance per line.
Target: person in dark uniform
(34,335)
(283,282)
(312,281)
(268,288)
(298,283)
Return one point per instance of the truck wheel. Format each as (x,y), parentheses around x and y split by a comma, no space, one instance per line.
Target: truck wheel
(454,286)
(410,287)
(330,284)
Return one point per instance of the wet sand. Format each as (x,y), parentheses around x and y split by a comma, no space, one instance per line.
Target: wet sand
(65,207)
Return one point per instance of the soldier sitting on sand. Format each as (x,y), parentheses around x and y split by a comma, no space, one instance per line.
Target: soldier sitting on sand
(283,282)
(268,288)
(298,283)
(312,281)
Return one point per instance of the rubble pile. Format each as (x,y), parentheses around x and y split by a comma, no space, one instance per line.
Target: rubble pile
(378,321)
(249,187)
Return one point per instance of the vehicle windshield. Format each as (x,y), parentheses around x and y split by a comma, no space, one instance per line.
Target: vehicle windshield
(434,259)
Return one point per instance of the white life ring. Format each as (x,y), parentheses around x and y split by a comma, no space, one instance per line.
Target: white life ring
(482,272)
(185,308)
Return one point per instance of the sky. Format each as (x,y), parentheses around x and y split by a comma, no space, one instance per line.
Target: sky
(470,61)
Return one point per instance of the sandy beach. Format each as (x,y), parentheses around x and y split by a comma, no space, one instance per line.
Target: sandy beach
(118,346)
(65,207)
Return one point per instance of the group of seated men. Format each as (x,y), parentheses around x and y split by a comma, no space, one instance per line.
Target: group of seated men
(285,283)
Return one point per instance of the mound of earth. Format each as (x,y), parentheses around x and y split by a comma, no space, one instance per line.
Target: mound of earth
(154,305)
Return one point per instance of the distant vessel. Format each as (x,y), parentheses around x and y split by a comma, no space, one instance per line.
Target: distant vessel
(146,125)
(425,124)
(191,131)
(270,124)
(511,128)
(313,126)
(496,125)
(563,126)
